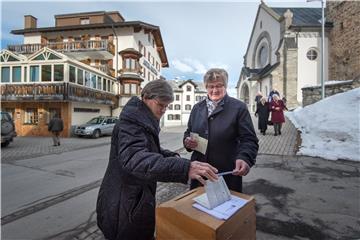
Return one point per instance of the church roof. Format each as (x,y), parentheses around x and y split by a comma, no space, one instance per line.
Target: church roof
(302,16)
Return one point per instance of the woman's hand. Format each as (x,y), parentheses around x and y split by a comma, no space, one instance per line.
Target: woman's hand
(199,170)
(190,143)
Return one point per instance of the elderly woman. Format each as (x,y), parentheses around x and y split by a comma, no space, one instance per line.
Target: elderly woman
(226,123)
(262,111)
(126,201)
(277,107)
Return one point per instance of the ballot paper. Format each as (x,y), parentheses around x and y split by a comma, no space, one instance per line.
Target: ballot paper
(201,142)
(225,210)
(215,194)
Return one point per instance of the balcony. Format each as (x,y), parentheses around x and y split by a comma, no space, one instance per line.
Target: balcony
(55,92)
(106,69)
(93,49)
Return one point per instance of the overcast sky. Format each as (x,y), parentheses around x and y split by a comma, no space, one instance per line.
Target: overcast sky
(197,34)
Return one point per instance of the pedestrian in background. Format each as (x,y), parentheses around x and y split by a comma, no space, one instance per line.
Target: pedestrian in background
(277,114)
(272,92)
(262,111)
(226,123)
(126,200)
(258,97)
(56,125)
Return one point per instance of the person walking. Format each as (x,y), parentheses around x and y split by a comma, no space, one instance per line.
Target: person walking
(126,201)
(258,97)
(56,126)
(272,92)
(226,123)
(277,114)
(262,111)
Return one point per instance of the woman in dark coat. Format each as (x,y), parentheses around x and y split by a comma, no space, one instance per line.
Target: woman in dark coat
(226,123)
(126,201)
(277,114)
(262,111)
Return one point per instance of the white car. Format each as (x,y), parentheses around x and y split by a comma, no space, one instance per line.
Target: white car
(96,127)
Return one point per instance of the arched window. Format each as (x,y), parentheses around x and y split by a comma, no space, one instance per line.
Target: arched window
(177,107)
(263,55)
(170,117)
(187,107)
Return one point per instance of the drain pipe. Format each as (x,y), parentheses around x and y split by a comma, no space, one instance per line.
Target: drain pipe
(116,63)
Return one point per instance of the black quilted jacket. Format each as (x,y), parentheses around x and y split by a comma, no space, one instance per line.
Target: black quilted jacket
(126,201)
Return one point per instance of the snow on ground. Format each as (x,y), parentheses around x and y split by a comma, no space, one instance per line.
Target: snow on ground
(330,128)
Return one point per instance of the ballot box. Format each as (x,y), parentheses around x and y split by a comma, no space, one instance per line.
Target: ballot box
(178,219)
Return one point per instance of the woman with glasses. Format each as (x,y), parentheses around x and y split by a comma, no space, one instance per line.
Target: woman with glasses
(226,123)
(126,201)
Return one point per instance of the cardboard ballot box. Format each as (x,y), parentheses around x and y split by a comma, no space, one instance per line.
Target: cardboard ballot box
(178,219)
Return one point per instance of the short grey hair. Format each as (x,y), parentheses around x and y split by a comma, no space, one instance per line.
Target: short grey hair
(159,89)
(215,74)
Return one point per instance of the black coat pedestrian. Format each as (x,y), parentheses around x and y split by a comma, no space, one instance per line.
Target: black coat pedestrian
(126,201)
(230,135)
(56,124)
(262,111)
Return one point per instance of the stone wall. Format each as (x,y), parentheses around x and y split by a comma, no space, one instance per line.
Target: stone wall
(313,94)
(344,49)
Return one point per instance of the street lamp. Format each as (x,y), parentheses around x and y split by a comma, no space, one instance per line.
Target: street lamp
(322,75)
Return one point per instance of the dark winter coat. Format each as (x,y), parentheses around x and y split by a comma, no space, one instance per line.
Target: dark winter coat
(126,201)
(56,125)
(262,111)
(277,116)
(230,135)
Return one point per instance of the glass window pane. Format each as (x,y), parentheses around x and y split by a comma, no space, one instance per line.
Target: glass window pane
(72,76)
(104,84)
(31,116)
(40,57)
(59,72)
(5,74)
(34,73)
(93,80)
(133,88)
(127,88)
(87,79)
(80,76)
(12,59)
(25,74)
(52,56)
(98,82)
(46,73)
(16,74)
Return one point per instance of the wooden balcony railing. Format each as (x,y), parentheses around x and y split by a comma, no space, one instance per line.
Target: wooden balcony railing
(75,46)
(106,69)
(56,92)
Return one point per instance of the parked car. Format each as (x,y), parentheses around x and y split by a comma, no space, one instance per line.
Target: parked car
(96,127)
(7,129)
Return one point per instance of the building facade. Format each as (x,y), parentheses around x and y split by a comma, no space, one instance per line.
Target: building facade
(283,53)
(88,64)
(186,95)
(344,48)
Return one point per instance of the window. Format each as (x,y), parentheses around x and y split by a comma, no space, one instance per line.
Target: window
(311,54)
(5,74)
(80,76)
(87,79)
(127,88)
(84,21)
(25,74)
(99,82)
(198,98)
(263,56)
(170,107)
(170,117)
(104,84)
(51,113)
(188,107)
(177,97)
(34,73)
(31,116)
(108,86)
(72,74)
(177,106)
(188,88)
(187,97)
(46,73)
(130,63)
(133,89)
(59,72)
(16,74)
(93,80)
(177,116)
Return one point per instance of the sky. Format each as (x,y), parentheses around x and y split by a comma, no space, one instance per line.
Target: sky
(197,35)
(330,134)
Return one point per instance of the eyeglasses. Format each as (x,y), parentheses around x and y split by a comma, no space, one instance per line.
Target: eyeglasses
(218,86)
(162,106)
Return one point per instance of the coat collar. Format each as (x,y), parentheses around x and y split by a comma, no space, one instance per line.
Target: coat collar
(220,106)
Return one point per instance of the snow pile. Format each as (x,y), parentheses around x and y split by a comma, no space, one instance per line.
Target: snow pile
(330,128)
